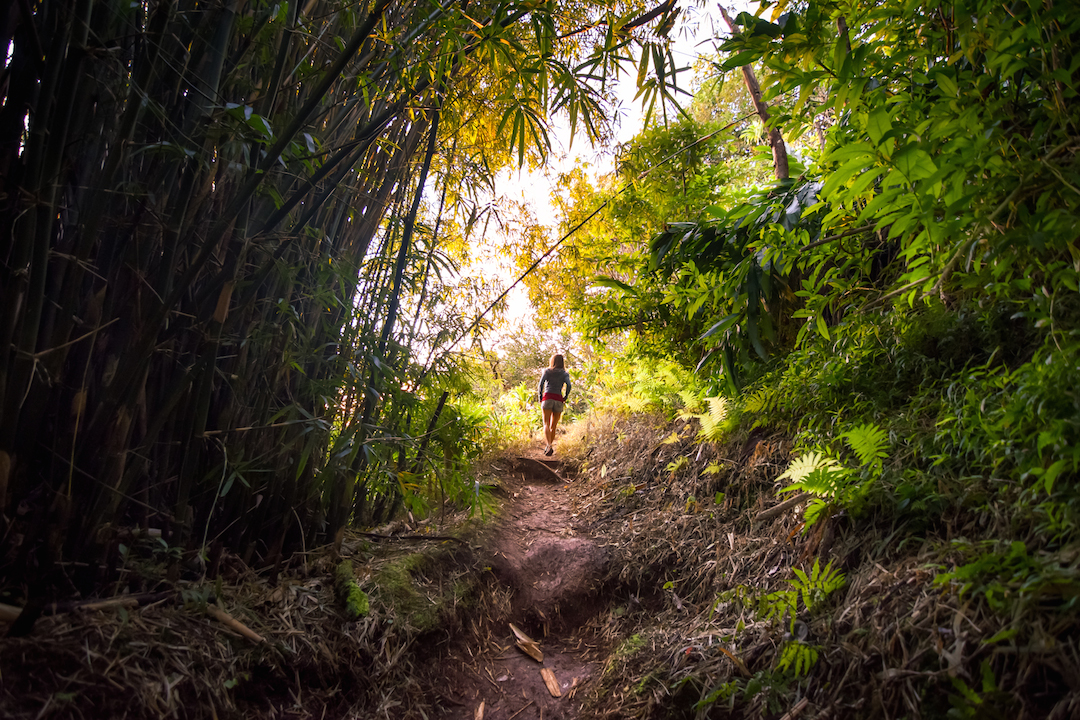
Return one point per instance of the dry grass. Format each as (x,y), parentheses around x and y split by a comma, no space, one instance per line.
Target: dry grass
(692,580)
(683,631)
(173,659)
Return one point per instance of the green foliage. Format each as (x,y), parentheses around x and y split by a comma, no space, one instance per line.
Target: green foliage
(869,443)
(723,693)
(1008,576)
(818,585)
(989,701)
(797,657)
(623,652)
(812,588)
(648,384)
(664,173)
(273,346)
(398,588)
(949,141)
(831,482)
(722,287)
(676,465)
(718,421)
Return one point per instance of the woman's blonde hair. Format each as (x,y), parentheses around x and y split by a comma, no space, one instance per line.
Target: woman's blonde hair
(557,361)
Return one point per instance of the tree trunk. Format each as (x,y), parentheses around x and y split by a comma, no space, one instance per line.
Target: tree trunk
(776,140)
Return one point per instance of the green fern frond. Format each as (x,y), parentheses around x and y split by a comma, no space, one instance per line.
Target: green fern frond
(869,443)
(817,474)
(761,400)
(677,464)
(636,403)
(817,586)
(803,467)
(714,421)
(799,657)
(814,510)
(691,401)
(718,409)
(828,577)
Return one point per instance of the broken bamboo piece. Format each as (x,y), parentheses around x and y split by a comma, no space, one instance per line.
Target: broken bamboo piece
(233,624)
(527,644)
(551,681)
(523,709)
(796,710)
(9,613)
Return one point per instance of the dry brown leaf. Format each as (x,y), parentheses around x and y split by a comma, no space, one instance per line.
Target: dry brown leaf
(738,663)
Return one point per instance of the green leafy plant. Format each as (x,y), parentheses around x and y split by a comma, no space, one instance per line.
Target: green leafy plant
(798,657)
(818,584)
(723,693)
(830,481)
(676,465)
(1010,576)
(718,421)
(989,701)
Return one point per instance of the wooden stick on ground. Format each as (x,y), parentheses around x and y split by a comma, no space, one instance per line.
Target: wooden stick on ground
(526,705)
(527,644)
(779,509)
(233,624)
(8,613)
(796,710)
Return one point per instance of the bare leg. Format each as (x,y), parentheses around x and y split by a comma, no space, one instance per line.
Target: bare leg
(549,428)
(550,434)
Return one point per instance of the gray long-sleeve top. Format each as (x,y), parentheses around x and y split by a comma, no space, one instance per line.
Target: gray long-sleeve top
(552,381)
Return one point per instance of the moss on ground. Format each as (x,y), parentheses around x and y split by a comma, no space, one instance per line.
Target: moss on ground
(348,593)
(416,588)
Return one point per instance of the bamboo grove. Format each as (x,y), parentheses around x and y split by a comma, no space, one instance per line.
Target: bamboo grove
(221,250)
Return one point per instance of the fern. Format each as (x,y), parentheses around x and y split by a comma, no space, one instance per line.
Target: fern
(869,443)
(676,465)
(714,423)
(817,474)
(816,586)
(761,401)
(798,656)
(691,400)
(779,604)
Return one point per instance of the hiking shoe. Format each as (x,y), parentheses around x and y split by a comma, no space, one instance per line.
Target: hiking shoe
(549,451)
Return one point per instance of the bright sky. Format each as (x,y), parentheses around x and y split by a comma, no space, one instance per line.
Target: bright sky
(694,37)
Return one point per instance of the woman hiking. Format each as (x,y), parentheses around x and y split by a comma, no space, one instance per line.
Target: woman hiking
(552,398)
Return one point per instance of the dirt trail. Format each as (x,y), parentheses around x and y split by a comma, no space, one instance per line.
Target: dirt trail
(548,567)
